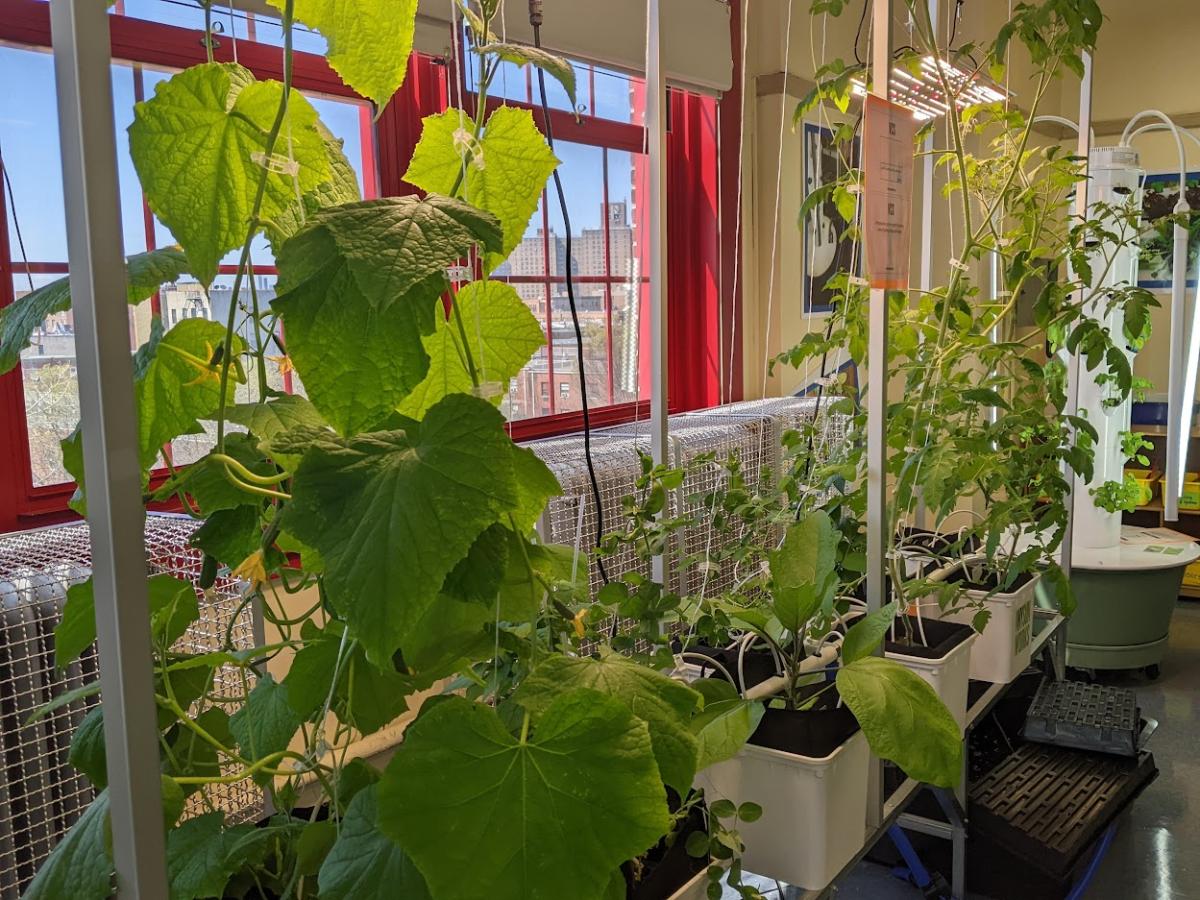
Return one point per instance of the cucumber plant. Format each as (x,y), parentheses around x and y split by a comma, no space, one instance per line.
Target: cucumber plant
(391,493)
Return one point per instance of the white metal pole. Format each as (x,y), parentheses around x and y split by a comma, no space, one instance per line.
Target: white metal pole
(878,535)
(82,60)
(656,127)
(926,283)
(1083,151)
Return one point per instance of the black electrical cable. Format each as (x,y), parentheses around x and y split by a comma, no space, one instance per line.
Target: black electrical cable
(858,33)
(958,5)
(535,19)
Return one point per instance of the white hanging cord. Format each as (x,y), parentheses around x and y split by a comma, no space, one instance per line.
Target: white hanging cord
(233,31)
(737,226)
(775,226)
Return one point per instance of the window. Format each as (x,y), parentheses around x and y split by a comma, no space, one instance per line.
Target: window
(604,172)
(602,167)
(39,401)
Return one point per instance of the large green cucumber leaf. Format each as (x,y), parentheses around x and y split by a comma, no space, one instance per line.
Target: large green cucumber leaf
(358,359)
(903,719)
(369,40)
(230,535)
(81,865)
(341,187)
(506,171)
(392,512)
(522,55)
(535,485)
(365,696)
(203,854)
(144,274)
(199,148)
(365,863)
(666,705)
(273,416)
(450,636)
(803,570)
(177,382)
(547,815)
(503,336)
(394,244)
(267,722)
(173,607)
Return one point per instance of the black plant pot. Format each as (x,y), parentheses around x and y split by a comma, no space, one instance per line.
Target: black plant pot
(664,870)
(757,665)
(814,732)
(940,638)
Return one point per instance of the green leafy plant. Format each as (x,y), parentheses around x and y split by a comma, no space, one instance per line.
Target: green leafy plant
(976,423)
(1117,496)
(383,523)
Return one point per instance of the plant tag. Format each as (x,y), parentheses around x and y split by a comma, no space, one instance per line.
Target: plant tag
(458,274)
(857,281)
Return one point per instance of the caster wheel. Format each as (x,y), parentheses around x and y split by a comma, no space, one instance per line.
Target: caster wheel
(1153,672)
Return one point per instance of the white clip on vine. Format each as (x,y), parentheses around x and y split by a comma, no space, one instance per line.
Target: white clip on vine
(466,144)
(276,162)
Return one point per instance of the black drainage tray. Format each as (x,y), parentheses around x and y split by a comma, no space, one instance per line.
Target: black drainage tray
(1048,805)
(1096,717)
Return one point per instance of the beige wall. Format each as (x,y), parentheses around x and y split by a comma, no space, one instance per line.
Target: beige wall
(1142,60)
(773,173)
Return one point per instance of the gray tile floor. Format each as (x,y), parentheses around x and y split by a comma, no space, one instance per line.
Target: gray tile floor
(1156,853)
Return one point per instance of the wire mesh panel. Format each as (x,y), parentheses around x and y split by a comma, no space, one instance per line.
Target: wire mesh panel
(41,794)
(794,413)
(571,519)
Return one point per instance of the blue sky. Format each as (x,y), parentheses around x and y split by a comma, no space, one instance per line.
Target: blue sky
(29,143)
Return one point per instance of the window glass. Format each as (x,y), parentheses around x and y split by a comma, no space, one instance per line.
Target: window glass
(599,184)
(229,22)
(29,148)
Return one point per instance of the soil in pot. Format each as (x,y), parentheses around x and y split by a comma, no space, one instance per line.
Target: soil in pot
(664,870)
(814,732)
(940,638)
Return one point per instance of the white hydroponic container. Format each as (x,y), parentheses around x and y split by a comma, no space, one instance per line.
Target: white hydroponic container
(1004,648)
(814,810)
(947,676)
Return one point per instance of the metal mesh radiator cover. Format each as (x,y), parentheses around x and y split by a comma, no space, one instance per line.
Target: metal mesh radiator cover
(41,794)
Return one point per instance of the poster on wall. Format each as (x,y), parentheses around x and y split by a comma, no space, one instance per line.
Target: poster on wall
(1160,193)
(827,249)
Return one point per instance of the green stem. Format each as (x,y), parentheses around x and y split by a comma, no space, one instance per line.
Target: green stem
(252,230)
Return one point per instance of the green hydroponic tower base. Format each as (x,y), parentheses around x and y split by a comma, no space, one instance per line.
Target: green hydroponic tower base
(1123,618)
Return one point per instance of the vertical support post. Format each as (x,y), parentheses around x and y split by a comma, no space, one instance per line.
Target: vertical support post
(1083,150)
(877,385)
(926,283)
(656,128)
(82,60)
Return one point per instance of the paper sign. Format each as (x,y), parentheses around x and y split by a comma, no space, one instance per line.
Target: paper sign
(888,134)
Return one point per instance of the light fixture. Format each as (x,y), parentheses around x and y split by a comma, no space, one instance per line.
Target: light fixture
(923,92)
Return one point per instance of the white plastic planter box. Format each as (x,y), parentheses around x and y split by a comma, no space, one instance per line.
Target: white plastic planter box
(1005,646)
(814,810)
(947,676)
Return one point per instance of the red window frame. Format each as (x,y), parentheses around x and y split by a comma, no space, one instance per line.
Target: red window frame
(702,171)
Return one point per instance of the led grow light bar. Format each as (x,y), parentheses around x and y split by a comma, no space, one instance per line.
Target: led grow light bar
(923,93)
